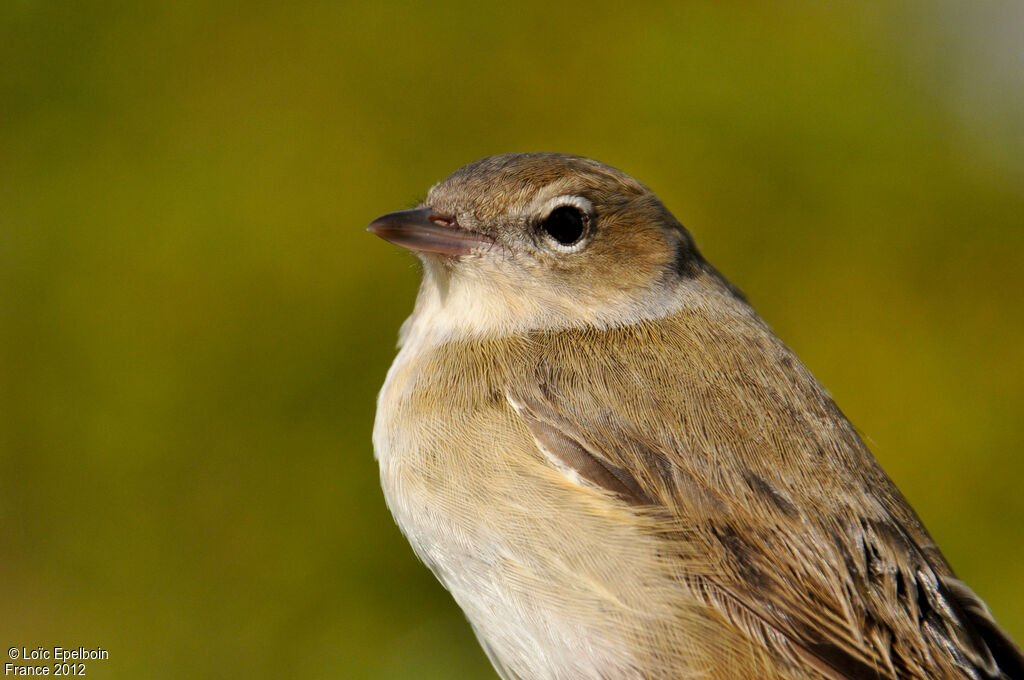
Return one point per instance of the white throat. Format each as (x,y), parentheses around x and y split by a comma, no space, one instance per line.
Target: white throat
(466,305)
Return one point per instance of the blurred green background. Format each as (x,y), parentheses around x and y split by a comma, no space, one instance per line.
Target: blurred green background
(194,323)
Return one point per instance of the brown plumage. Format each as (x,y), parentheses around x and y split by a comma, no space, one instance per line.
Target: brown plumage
(619,471)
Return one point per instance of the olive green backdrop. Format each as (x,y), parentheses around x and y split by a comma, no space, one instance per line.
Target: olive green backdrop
(194,323)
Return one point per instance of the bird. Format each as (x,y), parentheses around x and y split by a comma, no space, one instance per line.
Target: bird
(619,471)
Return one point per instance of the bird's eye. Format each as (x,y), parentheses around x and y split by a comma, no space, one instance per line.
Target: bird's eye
(566,224)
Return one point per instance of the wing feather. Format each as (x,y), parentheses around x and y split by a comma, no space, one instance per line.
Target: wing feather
(832,569)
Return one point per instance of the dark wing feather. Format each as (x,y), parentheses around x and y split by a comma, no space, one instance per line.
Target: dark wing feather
(1004,650)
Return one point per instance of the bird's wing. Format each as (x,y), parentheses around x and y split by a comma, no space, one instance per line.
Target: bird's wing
(812,551)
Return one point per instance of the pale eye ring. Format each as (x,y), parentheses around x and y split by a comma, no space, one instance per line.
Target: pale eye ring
(566,222)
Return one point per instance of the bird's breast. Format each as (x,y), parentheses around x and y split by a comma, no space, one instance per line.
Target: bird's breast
(536,561)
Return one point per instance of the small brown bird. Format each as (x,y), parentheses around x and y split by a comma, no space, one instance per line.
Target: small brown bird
(620,472)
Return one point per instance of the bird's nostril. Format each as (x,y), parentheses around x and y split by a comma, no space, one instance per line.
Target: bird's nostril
(442,220)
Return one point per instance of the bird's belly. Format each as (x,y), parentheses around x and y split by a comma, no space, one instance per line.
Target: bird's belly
(528,572)
(552,591)
(537,618)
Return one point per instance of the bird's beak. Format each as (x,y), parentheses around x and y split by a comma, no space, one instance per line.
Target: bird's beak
(424,231)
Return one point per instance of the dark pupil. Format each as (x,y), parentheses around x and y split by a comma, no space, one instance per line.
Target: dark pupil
(565,225)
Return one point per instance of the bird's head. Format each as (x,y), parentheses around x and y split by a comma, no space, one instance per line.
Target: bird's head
(518,242)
